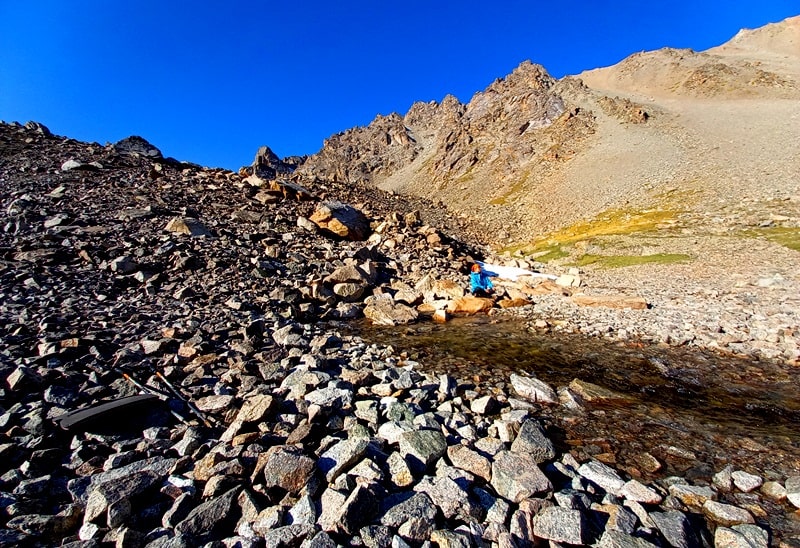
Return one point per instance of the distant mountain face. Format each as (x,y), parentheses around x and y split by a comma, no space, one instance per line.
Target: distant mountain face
(531,154)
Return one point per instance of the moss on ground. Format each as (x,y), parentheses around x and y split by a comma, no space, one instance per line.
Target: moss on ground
(616,222)
(620,261)
(787,237)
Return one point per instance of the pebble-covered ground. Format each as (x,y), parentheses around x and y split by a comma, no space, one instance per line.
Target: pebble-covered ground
(123,272)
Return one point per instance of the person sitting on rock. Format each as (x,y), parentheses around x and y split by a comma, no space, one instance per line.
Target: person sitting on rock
(480,284)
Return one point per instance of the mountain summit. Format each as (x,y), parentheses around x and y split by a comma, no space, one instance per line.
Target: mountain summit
(531,155)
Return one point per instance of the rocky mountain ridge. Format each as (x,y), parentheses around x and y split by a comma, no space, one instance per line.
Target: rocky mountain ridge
(530,155)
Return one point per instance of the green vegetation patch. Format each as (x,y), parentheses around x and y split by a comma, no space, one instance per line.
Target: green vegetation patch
(787,237)
(620,261)
(616,222)
(551,253)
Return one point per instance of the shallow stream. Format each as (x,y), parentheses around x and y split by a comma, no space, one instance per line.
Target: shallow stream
(678,411)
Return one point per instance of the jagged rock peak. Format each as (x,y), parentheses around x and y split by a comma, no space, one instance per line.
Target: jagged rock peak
(268,165)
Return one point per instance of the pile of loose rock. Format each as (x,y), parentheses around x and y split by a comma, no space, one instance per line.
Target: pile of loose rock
(122,272)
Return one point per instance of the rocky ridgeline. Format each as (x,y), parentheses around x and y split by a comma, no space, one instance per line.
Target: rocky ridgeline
(123,271)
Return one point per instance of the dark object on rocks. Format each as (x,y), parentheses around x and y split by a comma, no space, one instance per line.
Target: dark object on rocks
(137,145)
(103,414)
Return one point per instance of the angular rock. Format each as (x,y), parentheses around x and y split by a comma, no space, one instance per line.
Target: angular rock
(692,495)
(741,536)
(560,525)
(342,220)
(533,441)
(213,515)
(387,312)
(517,476)
(635,490)
(746,482)
(421,448)
(288,467)
(676,528)
(533,389)
(341,456)
(726,514)
(473,462)
(618,539)
(603,476)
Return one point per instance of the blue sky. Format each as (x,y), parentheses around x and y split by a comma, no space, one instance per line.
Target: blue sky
(210,82)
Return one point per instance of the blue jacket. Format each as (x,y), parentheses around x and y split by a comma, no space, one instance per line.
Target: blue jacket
(479,280)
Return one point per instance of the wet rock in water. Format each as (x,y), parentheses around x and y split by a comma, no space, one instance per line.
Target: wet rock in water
(533,389)
(469,305)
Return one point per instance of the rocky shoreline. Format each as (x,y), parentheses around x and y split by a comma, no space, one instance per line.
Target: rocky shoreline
(210,290)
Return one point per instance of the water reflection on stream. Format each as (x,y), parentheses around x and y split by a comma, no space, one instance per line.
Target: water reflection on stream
(686,412)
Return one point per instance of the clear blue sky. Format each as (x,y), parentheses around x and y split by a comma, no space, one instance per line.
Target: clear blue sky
(210,82)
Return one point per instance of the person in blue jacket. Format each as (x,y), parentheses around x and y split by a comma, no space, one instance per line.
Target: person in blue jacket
(480,284)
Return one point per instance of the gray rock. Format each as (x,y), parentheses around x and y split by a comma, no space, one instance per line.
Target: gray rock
(676,528)
(450,539)
(485,405)
(741,536)
(289,536)
(533,441)
(451,497)
(399,509)
(320,540)
(376,536)
(330,397)
(384,311)
(288,467)
(49,527)
(726,514)
(473,462)
(560,525)
(103,496)
(160,466)
(792,485)
(304,511)
(603,476)
(533,389)
(341,456)
(178,511)
(618,539)
(517,476)
(746,482)
(211,516)
(421,448)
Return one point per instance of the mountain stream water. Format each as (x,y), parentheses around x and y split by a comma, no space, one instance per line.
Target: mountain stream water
(673,411)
